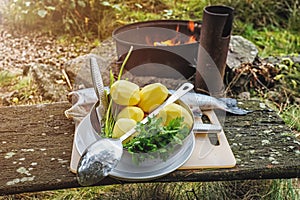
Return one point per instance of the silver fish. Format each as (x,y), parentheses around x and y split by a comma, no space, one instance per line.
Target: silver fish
(206,102)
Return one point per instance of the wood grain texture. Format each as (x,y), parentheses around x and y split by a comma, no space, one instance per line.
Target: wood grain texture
(36,143)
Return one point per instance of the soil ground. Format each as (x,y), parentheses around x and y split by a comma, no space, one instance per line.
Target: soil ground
(37,61)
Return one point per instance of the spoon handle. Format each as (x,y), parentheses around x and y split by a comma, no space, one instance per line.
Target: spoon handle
(182,90)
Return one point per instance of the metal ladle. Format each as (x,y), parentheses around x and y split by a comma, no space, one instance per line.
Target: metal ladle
(102,156)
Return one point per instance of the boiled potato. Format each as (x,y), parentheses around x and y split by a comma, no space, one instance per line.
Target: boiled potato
(152,96)
(122,126)
(125,93)
(173,111)
(131,112)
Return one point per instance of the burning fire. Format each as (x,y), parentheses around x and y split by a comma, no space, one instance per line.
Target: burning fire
(176,40)
(166,43)
(191,26)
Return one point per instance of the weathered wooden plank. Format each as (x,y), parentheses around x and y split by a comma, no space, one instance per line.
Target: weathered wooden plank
(36,143)
(35,147)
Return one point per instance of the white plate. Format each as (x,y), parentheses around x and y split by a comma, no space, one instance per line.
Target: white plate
(128,171)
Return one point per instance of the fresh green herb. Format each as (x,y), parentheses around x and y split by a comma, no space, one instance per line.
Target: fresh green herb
(109,118)
(109,121)
(111,77)
(156,141)
(124,63)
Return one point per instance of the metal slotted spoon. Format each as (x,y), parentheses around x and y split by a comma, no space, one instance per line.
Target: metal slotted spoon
(102,156)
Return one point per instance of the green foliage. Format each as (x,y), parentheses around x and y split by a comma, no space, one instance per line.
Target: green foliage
(22,89)
(184,9)
(227,190)
(288,79)
(271,40)
(260,13)
(289,75)
(263,12)
(273,26)
(157,141)
(56,16)
(6,78)
(283,190)
(133,11)
(291,116)
(83,17)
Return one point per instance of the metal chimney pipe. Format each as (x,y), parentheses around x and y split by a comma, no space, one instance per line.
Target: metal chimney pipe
(213,48)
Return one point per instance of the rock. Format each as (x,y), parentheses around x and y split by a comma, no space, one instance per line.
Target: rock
(240,51)
(79,71)
(47,79)
(107,50)
(79,68)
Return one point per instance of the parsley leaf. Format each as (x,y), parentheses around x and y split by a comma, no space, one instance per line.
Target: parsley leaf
(156,141)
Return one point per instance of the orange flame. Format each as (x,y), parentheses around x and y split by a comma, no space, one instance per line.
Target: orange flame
(174,41)
(192,39)
(166,43)
(191,26)
(177,28)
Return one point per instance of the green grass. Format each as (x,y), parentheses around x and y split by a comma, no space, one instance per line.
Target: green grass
(22,89)
(272,41)
(226,190)
(6,78)
(291,115)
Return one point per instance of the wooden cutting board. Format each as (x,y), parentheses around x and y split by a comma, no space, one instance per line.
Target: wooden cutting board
(211,150)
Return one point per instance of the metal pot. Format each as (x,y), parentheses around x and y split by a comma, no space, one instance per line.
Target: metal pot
(161,61)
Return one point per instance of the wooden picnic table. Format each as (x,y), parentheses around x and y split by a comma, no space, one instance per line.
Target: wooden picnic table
(36,144)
